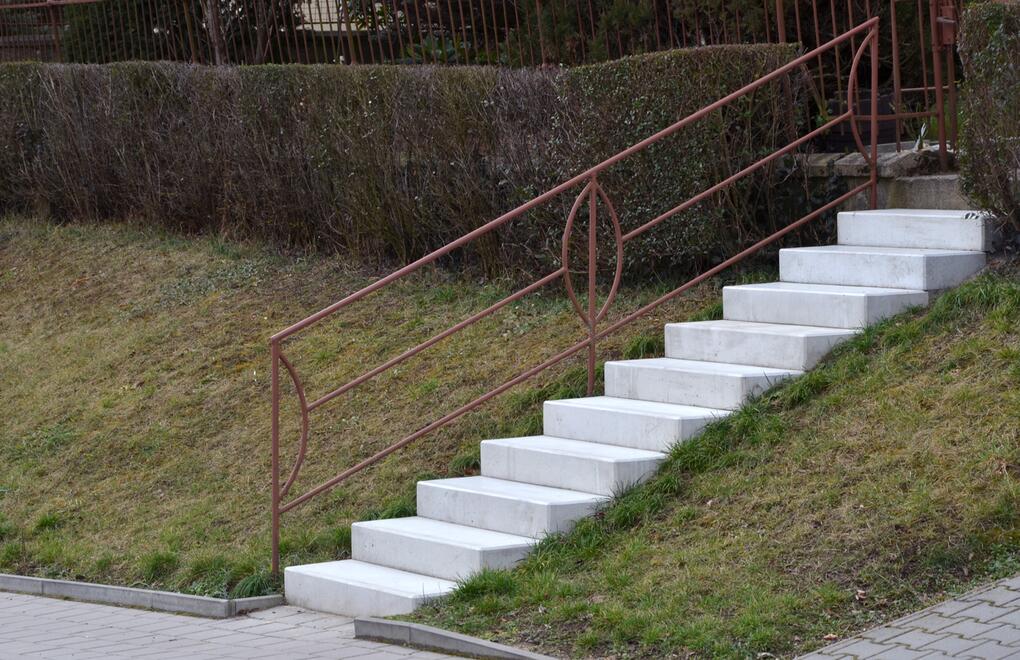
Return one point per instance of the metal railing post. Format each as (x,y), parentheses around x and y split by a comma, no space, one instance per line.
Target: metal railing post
(940,101)
(274,352)
(874,117)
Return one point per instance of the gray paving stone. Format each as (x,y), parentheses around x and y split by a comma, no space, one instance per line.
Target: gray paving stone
(864,649)
(999,595)
(984,612)
(880,634)
(933,622)
(37,627)
(991,651)
(970,628)
(953,644)
(914,639)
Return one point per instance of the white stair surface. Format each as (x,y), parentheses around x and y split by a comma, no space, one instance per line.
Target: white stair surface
(646,425)
(588,467)
(896,268)
(916,228)
(505,506)
(357,588)
(886,262)
(798,347)
(691,382)
(436,548)
(826,305)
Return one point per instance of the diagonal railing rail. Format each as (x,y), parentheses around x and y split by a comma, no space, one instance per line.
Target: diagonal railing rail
(591,315)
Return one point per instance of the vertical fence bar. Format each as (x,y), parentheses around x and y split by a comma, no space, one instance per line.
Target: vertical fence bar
(875,34)
(592,291)
(274,355)
(940,106)
(781,21)
(897,74)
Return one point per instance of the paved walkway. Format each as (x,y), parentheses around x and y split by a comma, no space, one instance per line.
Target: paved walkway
(982,624)
(35,627)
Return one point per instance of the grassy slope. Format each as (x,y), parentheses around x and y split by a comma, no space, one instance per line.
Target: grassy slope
(874,485)
(134,432)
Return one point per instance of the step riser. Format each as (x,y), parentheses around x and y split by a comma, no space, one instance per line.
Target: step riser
(690,342)
(632,381)
(500,514)
(892,229)
(826,310)
(622,429)
(928,273)
(561,471)
(428,556)
(351,600)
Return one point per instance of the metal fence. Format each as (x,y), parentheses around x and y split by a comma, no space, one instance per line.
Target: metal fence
(918,70)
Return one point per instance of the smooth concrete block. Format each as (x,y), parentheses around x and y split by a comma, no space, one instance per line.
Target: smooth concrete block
(588,467)
(824,305)
(356,588)
(916,228)
(896,268)
(690,382)
(505,506)
(626,422)
(781,346)
(435,547)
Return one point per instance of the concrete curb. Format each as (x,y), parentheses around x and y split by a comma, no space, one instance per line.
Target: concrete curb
(164,601)
(435,639)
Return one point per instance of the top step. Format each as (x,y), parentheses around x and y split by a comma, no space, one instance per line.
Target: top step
(916,228)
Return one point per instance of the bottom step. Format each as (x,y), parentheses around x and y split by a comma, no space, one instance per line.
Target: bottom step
(355,588)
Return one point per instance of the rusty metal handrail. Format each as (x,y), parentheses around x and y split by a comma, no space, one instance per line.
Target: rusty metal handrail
(591,194)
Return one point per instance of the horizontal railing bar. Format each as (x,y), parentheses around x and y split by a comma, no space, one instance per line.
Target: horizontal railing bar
(739,175)
(436,339)
(44,4)
(573,350)
(541,199)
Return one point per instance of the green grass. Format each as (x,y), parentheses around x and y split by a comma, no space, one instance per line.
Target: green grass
(876,484)
(134,445)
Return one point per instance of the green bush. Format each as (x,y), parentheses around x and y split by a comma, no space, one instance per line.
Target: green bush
(388,163)
(990,108)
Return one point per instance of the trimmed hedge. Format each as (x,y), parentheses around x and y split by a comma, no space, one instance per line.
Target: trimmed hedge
(990,109)
(391,162)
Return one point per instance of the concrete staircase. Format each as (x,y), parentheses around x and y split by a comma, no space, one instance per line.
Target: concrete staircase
(885,263)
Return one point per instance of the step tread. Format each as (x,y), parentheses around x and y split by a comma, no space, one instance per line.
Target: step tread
(373,576)
(724,369)
(880,250)
(472,538)
(840,289)
(948,214)
(636,406)
(754,327)
(577,448)
(514,490)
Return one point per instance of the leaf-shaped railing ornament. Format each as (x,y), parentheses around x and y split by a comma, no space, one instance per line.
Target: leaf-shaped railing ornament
(591,317)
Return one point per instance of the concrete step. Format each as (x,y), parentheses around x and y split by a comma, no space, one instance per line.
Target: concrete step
(781,346)
(505,506)
(356,588)
(691,382)
(916,228)
(896,268)
(436,548)
(646,425)
(588,467)
(825,305)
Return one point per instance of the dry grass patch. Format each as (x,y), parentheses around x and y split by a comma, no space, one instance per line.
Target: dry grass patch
(134,439)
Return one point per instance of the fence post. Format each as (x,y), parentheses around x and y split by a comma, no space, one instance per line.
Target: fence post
(875,32)
(274,352)
(940,101)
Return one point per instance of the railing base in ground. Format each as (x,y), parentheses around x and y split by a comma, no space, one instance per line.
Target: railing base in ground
(590,197)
